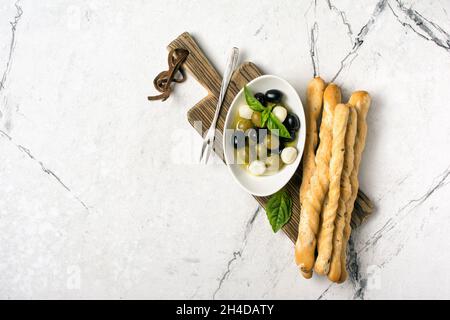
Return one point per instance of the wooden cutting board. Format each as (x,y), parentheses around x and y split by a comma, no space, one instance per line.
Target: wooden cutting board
(199,66)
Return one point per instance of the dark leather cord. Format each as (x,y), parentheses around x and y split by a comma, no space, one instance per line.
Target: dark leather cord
(164,79)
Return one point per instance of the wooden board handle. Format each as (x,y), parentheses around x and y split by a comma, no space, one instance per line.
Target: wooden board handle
(197,63)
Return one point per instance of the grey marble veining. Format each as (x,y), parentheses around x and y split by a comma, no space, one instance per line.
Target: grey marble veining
(101,193)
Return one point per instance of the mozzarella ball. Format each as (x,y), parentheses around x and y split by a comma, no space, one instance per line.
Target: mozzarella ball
(288,155)
(257,167)
(280,112)
(245,112)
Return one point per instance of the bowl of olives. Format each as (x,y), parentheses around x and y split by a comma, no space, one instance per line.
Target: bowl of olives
(264,135)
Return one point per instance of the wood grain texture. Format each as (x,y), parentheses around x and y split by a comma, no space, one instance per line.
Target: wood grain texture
(199,66)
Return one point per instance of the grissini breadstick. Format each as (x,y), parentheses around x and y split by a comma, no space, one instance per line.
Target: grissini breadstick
(306,275)
(361,101)
(328,216)
(305,245)
(314,99)
(334,273)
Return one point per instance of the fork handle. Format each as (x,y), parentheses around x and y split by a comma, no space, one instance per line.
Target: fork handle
(231,65)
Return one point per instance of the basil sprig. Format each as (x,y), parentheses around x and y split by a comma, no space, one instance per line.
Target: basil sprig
(279,209)
(252,102)
(273,123)
(267,117)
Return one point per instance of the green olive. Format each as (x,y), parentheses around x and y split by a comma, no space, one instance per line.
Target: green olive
(244,125)
(256,119)
(272,142)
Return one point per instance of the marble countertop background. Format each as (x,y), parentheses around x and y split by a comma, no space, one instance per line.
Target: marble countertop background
(101,195)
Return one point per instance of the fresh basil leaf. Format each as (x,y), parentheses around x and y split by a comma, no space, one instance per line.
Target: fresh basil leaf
(266,114)
(274,124)
(271,125)
(264,117)
(279,209)
(252,102)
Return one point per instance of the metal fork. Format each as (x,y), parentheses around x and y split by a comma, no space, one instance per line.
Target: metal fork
(208,140)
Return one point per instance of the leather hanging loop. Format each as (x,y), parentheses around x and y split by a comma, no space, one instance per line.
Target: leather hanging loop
(164,79)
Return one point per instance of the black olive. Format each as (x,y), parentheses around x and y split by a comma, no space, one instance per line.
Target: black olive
(260,97)
(257,135)
(292,138)
(292,122)
(238,139)
(273,95)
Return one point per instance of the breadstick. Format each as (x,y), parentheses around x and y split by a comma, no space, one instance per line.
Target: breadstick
(314,98)
(325,237)
(361,101)
(306,275)
(334,273)
(310,214)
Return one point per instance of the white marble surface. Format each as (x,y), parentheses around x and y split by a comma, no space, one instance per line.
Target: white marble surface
(97,203)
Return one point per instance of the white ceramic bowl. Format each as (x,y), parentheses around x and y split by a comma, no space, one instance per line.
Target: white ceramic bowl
(265,185)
